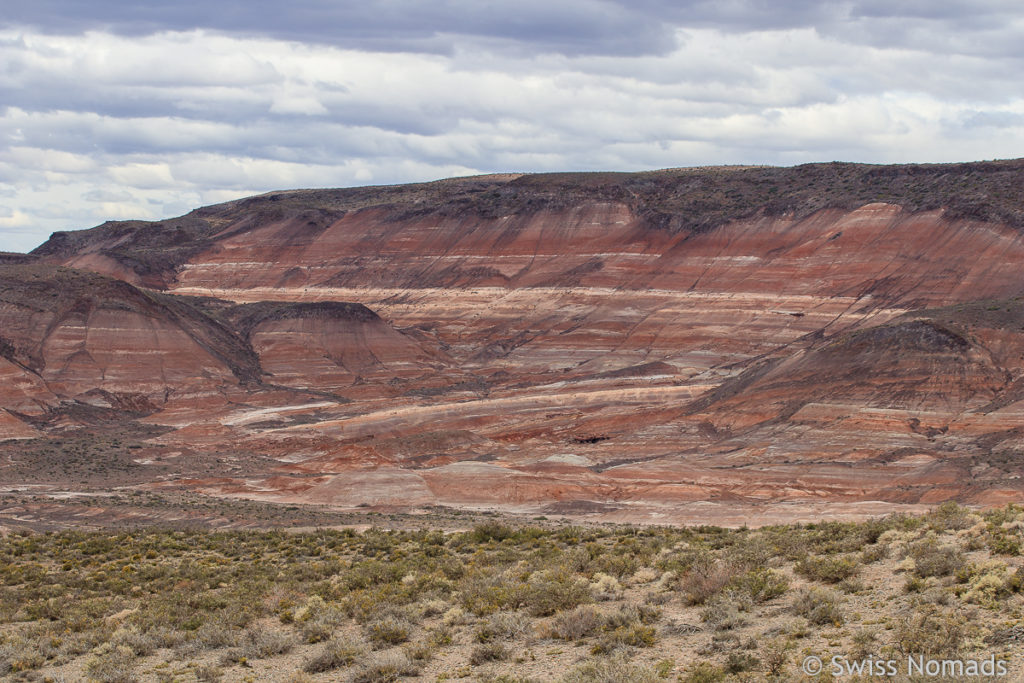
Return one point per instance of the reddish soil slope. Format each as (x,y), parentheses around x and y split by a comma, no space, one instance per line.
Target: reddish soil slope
(665,345)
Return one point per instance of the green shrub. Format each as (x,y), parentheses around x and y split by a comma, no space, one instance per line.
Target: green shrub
(1003,543)
(388,630)
(704,672)
(827,569)
(933,559)
(761,584)
(949,517)
(634,635)
(549,591)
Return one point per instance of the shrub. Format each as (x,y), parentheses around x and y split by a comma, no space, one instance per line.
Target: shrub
(606,587)
(482,593)
(335,654)
(725,612)
(704,672)
(774,655)
(385,667)
(1002,543)
(950,517)
(827,569)
(929,633)
(634,635)
(874,553)
(112,664)
(17,654)
(261,643)
(761,584)
(388,630)
(706,578)
(490,531)
(629,614)
(208,673)
(819,606)
(738,662)
(932,559)
(488,652)
(142,644)
(317,620)
(577,623)
(614,670)
(502,626)
(550,591)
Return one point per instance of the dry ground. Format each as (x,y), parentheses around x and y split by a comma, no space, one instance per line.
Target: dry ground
(511,601)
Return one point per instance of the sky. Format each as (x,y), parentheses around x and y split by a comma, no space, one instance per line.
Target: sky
(114,110)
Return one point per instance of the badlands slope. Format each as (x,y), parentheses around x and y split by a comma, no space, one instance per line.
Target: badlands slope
(725,344)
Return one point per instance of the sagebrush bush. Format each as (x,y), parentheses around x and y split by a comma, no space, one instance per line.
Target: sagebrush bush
(576,623)
(549,591)
(932,558)
(112,664)
(385,667)
(334,654)
(931,632)
(612,670)
(761,584)
(503,626)
(706,578)
(258,643)
(819,606)
(488,652)
(388,630)
(726,611)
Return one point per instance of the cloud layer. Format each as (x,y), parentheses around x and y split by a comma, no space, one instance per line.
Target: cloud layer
(145,110)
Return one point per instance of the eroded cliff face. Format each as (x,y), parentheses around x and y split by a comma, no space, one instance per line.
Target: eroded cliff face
(673,346)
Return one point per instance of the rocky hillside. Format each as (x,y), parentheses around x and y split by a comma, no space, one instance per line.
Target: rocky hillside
(782,341)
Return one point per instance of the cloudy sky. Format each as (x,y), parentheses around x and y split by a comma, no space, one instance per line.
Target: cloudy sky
(111,109)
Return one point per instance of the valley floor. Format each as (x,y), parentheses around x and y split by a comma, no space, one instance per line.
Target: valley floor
(447,595)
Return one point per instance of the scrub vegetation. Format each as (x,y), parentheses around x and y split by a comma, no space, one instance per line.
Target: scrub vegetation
(508,601)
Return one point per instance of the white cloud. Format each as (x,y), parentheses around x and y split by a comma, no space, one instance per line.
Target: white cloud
(146,123)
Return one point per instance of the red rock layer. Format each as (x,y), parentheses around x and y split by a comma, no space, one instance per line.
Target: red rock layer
(578,353)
